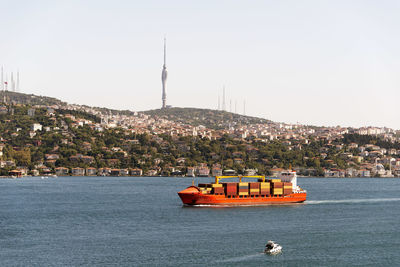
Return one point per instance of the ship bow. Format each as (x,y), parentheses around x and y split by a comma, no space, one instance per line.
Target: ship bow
(189,195)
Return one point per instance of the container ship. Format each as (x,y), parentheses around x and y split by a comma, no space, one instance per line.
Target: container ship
(282,190)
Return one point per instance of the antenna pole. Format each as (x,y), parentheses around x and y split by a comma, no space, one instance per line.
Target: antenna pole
(164,75)
(223,98)
(2,78)
(18,81)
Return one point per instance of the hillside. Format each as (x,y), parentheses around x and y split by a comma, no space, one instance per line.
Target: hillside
(40,139)
(213,119)
(30,99)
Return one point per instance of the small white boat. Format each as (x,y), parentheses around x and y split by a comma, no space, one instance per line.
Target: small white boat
(272,248)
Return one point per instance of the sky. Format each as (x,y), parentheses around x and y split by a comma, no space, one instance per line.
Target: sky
(323,63)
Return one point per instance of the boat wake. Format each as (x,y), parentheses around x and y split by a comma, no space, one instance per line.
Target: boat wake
(350,201)
(241,258)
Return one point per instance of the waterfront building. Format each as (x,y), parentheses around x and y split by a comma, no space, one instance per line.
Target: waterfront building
(190,172)
(91,171)
(136,172)
(78,172)
(62,171)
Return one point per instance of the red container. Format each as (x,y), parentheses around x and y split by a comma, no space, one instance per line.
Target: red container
(254,185)
(265,192)
(231,185)
(231,192)
(287,191)
(218,190)
(277,185)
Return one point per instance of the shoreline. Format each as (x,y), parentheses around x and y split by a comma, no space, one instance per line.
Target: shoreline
(188,177)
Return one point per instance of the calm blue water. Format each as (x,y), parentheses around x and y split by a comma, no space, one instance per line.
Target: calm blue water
(127,221)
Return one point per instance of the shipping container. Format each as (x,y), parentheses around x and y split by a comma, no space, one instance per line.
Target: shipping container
(218,190)
(254,185)
(231,188)
(277,185)
(277,191)
(287,192)
(216,185)
(231,185)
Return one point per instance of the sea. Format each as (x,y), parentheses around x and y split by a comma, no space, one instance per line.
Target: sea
(140,221)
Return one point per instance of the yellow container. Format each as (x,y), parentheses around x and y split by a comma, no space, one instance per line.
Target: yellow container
(265,185)
(216,185)
(277,191)
(243,184)
(254,190)
(243,193)
(276,180)
(208,189)
(287,187)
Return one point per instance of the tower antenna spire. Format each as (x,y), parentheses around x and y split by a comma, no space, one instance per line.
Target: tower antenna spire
(17,86)
(164,75)
(2,78)
(12,82)
(165,51)
(223,99)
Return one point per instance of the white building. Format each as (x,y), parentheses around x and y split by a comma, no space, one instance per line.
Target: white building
(36,127)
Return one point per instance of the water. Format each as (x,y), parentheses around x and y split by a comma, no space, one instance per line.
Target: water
(128,221)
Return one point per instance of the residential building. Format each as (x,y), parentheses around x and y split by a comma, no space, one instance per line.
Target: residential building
(78,172)
(62,171)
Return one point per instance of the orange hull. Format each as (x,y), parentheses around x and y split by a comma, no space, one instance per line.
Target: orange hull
(193,196)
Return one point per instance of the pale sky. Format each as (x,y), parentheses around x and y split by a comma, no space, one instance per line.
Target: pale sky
(313,62)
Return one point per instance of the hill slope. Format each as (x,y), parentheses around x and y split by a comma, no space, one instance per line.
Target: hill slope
(214,119)
(30,99)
